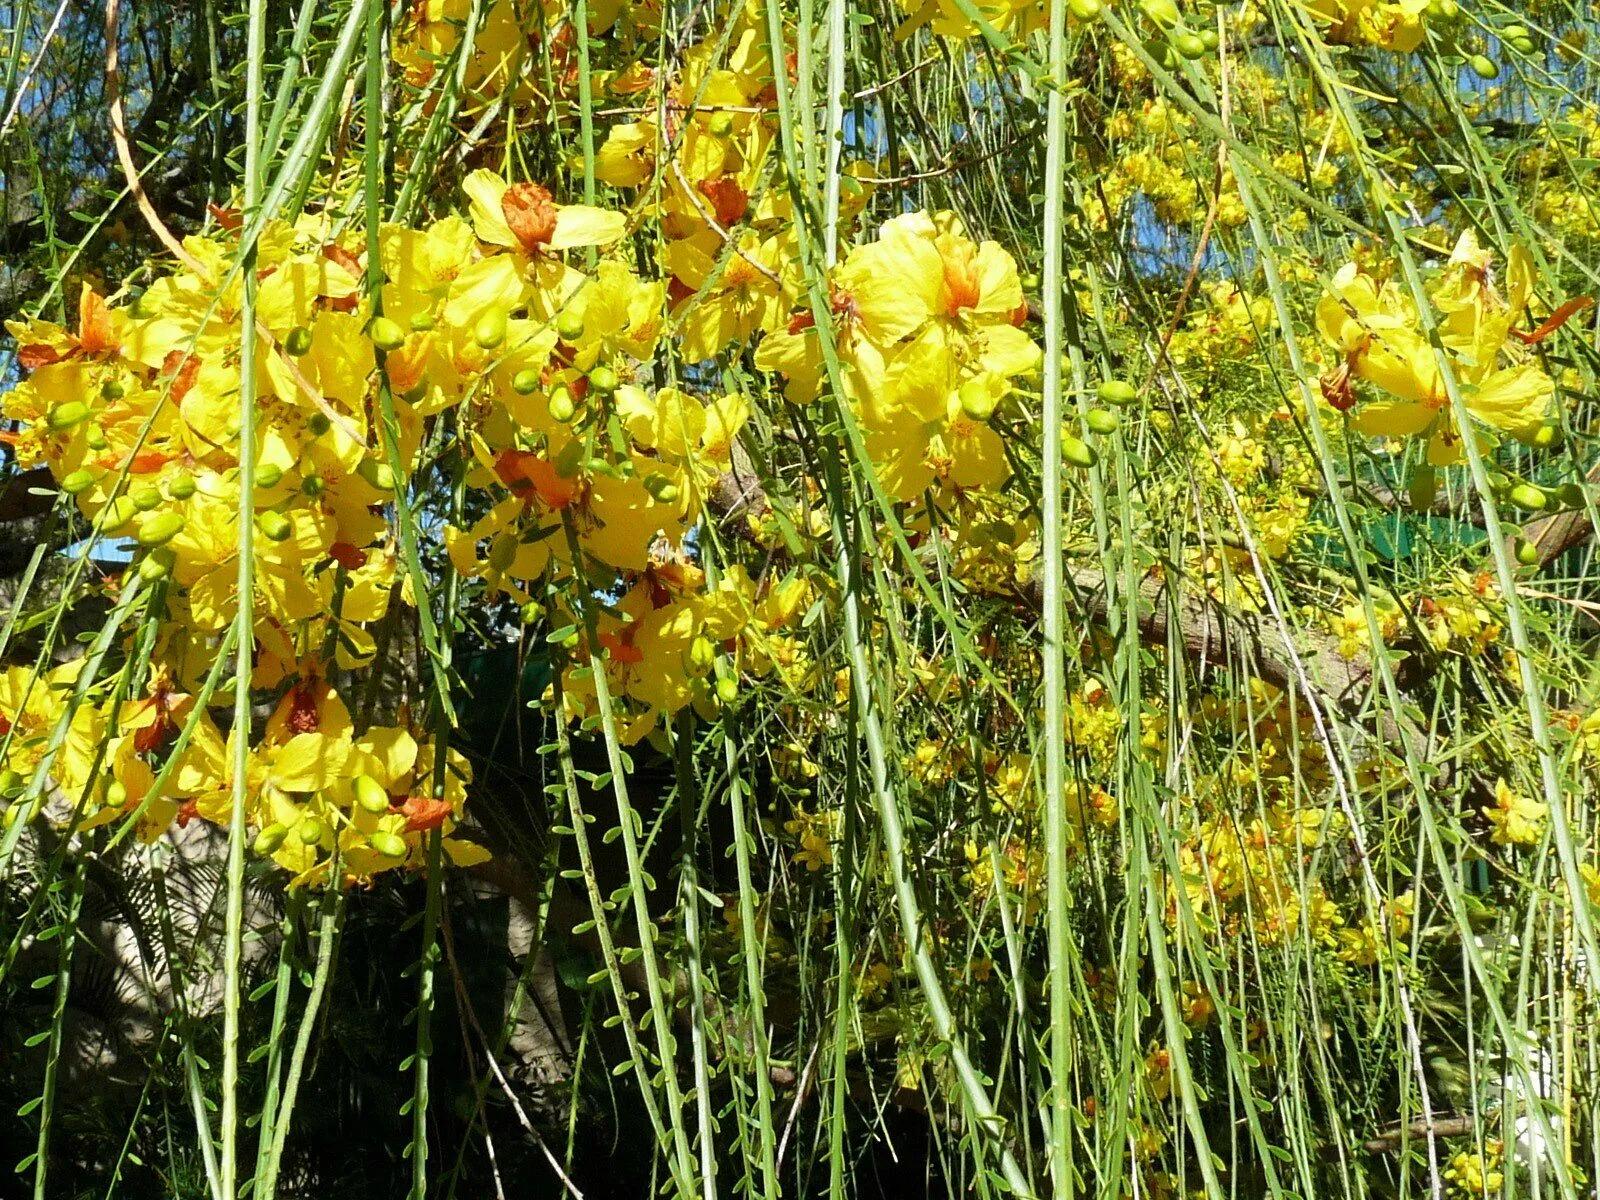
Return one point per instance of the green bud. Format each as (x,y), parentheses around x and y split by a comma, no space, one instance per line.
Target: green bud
(977,401)
(298,343)
(727,689)
(1117,392)
(386,334)
(1189,45)
(661,488)
(1085,10)
(1571,495)
(602,381)
(569,325)
(182,485)
(702,653)
(1485,66)
(1163,12)
(157,565)
(79,481)
(112,389)
(10,782)
(525,382)
(65,415)
(268,475)
(562,409)
(116,794)
(389,845)
(490,330)
(1077,452)
(275,527)
(1525,495)
(313,485)
(1102,420)
(310,831)
(422,321)
(1209,36)
(145,496)
(721,124)
(117,514)
(1548,437)
(370,794)
(531,612)
(318,424)
(1527,553)
(95,438)
(161,529)
(270,838)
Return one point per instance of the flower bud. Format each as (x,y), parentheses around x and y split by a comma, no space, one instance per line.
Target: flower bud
(602,380)
(1485,66)
(1077,452)
(525,382)
(1117,392)
(1527,553)
(268,475)
(562,409)
(181,486)
(298,343)
(145,496)
(422,321)
(67,414)
(79,481)
(1525,495)
(112,389)
(977,401)
(370,794)
(1102,420)
(161,529)
(270,838)
(388,844)
(386,334)
(157,565)
(490,330)
(721,124)
(310,831)
(661,488)
(275,526)
(702,653)
(569,325)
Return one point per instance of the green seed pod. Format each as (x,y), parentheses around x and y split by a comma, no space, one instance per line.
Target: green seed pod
(1527,553)
(112,389)
(1189,45)
(275,527)
(562,409)
(270,838)
(1077,452)
(602,380)
(79,481)
(525,382)
(503,552)
(386,334)
(490,330)
(145,496)
(310,831)
(1525,495)
(160,529)
(1423,488)
(1485,66)
(422,321)
(370,794)
(389,845)
(157,565)
(67,414)
(1102,420)
(268,475)
(298,343)
(182,485)
(569,325)
(1117,392)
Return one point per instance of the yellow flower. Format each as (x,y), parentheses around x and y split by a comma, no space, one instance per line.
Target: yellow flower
(1517,820)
